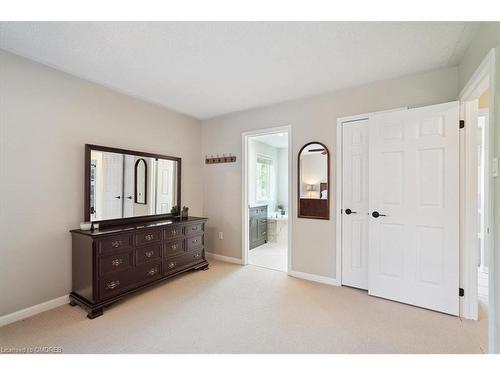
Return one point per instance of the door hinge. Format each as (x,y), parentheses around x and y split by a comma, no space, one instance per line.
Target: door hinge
(461,292)
(461,124)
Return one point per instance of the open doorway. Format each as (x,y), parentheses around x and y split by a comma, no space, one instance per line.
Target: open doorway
(477,102)
(482,198)
(267,199)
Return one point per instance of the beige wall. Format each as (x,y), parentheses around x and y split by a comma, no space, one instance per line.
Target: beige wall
(488,37)
(46,118)
(312,119)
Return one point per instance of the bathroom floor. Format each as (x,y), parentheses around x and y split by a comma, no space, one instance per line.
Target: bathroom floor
(271,255)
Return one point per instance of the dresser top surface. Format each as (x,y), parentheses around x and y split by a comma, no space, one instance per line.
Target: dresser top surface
(136,226)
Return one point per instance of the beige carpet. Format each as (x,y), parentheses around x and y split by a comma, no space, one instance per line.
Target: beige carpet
(234,309)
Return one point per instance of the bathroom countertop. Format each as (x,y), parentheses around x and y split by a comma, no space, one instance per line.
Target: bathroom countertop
(279,218)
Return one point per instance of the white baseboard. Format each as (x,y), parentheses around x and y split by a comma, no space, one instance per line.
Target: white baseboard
(33,310)
(223,258)
(316,278)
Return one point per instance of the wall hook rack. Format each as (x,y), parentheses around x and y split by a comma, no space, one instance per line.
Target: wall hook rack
(220,159)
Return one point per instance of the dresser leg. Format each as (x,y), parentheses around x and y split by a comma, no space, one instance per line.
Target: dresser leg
(72,303)
(205,268)
(95,313)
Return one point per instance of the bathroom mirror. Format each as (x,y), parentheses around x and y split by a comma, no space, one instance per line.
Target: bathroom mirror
(141,175)
(128,186)
(314,181)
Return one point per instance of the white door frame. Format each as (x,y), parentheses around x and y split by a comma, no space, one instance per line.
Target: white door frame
(244,201)
(484,77)
(339,184)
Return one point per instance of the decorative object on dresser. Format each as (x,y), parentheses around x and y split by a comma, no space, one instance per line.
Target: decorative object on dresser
(313,181)
(135,241)
(258,226)
(184,212)
(111,263)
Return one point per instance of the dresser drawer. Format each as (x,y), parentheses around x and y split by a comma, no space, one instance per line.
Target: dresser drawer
(116,243)
(115,262)
(121,282)
(175,231)
(173,248)
(192,229)
(148,272)
(194,242)
(147,237)
(148,253)
(180,262)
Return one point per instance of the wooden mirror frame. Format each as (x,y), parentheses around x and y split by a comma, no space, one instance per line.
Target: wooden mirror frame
(126,220)
(327,217)
(145,181)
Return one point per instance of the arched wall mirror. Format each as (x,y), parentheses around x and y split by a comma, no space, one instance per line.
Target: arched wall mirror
(314,181)
(141,184)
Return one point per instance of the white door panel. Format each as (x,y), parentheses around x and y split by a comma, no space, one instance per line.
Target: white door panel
(355,198)
(413,179)
(113,186)
(165,196)
(128,185)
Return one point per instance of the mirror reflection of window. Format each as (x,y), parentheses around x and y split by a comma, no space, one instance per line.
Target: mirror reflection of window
(124,185)
(313,181)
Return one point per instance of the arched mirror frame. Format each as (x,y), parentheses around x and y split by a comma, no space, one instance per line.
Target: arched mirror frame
(327,216)
(145,181)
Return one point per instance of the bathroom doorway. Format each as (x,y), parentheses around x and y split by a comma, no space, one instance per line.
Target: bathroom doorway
(267,203)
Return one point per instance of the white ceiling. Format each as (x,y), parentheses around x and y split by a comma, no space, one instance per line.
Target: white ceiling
(207,69)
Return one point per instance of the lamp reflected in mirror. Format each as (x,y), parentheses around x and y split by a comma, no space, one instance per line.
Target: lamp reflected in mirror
(310,189)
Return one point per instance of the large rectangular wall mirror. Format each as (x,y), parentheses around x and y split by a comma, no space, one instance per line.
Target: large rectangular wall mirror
(124,184)
(314,181)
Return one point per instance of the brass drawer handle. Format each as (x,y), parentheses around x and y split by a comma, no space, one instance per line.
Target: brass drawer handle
(116,243)
(116,262)
(174,246)
(113,284)
(148,237)
(194,241)
(174,231)
(194,228)
(197,255)
(149,254)
(153,271)
(172,264)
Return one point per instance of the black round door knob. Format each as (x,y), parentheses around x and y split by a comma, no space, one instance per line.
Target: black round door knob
(375,214)
(348,211)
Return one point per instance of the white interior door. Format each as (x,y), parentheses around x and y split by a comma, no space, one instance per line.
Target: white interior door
(165,192)
(128,185)
(414,182)
(112,165)
(355,204)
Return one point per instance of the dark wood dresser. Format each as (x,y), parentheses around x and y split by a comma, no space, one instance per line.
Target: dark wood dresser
(113,262)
